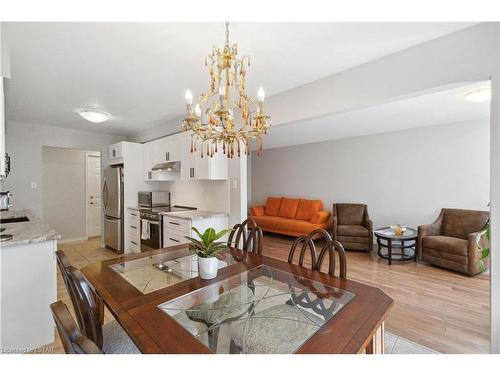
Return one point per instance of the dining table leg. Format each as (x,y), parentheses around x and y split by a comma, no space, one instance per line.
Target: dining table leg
(376,344)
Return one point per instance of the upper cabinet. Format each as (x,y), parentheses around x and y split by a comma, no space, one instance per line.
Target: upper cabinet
(177,147)
(116,151)
(197,167)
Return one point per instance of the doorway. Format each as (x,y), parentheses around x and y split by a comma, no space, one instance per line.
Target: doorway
(93,193)
(71,192)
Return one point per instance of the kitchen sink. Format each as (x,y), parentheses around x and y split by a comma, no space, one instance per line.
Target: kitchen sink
(18,219)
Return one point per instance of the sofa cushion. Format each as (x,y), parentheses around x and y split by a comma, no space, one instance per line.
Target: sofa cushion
(352,230)
(285,225)
(288,208)
(320,217)
(272,207)
(257,211)
(444,243)
(307,208)
(350,214)
(460,223)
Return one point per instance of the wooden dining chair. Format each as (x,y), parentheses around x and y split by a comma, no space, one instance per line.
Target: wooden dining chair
(64,264)
(72,339)
(329,248)
(301,301)
(110,337)
(247,236)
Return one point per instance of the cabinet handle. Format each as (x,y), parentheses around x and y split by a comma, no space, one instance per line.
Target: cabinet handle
(173,239)
(133,215)
(135,243)
(171,222)
(133,227)
(167,156)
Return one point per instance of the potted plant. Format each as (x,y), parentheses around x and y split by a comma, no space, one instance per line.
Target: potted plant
(207,248)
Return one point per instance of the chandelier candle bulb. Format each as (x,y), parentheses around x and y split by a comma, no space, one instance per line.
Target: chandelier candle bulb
(189,97)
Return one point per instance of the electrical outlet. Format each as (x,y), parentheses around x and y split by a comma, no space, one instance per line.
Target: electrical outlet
(235,184)
(33,184)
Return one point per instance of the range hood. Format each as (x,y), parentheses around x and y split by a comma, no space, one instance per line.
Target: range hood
(168,166)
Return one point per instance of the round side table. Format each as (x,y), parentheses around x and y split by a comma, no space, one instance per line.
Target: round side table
(405,244)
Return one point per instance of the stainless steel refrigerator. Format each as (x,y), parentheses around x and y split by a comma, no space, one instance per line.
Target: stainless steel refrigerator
(112,203)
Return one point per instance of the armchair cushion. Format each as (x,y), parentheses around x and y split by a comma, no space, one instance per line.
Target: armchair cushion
(459,223)
(272,207)
(288,208)
(352,230)
(448,244)
(307,208)
(350,214)
(257,211)
(320,217)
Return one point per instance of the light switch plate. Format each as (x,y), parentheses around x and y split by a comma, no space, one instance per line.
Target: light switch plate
(33,184)
(235,184)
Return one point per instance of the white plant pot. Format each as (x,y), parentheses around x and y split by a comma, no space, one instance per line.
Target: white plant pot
(207,267)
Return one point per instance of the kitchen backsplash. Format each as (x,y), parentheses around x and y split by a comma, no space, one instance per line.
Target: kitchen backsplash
(205,195)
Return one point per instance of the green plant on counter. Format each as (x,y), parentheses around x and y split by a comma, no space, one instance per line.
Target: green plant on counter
(207,245)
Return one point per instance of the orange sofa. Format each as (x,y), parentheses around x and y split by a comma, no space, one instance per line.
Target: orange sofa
(294,217)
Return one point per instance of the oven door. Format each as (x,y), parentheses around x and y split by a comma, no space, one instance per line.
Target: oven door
(154,241)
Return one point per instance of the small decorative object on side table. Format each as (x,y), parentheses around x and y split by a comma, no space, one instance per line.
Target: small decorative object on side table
(396,237)
(207,248)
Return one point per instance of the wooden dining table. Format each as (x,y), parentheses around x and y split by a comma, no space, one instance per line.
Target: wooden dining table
(163,305)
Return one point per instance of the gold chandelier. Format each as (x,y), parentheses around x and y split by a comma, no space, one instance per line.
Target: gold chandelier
(212,121)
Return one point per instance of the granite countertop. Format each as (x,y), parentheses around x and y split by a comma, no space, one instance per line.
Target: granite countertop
(34,230)
(194,215)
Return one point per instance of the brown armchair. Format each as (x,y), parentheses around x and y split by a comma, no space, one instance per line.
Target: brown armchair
(352,227)
(450,241)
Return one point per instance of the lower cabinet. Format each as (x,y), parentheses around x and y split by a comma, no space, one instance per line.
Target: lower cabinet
(175,229)
(134,232)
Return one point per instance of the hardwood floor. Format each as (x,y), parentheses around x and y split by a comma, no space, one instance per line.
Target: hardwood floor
(439,309)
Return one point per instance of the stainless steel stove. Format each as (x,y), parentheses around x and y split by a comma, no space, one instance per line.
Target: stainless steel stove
(154,218)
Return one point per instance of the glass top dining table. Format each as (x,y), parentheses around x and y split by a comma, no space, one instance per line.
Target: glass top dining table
(256,304)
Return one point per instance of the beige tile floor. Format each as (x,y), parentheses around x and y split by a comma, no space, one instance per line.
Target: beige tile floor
(82,253)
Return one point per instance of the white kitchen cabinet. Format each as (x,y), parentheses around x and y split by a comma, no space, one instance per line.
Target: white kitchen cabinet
(134,232)
(115,151)
(196,167)
(175,229)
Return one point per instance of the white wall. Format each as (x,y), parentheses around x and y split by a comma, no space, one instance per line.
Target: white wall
(404,177)
(24,143)
(63,193)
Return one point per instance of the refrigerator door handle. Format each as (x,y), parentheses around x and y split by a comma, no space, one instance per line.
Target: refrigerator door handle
(105,195)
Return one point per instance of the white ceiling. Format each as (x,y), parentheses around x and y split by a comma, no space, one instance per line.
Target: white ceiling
(440,107)
(138,72)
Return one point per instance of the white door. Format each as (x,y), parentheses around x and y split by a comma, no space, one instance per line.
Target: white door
(93,199)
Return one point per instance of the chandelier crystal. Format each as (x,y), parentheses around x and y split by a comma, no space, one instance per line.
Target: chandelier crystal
(226,119)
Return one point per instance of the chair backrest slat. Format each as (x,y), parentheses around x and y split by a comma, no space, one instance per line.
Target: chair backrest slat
(72,339)
(87,306)
(247,236)
(330,247)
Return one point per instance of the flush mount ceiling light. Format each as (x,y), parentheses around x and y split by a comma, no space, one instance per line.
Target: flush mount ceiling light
(93,115)
(478,95)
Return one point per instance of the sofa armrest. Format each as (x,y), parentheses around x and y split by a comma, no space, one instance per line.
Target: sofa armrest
(433,229)
(333,225)
(320,217)
(257,211)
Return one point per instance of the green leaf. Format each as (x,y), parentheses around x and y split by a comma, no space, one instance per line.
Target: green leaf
(485,253)
(197,232)
(222,233)
(209,236)
(481,265)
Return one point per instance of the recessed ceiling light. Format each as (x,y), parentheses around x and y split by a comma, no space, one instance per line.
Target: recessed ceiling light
(93,115)
(478,95)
